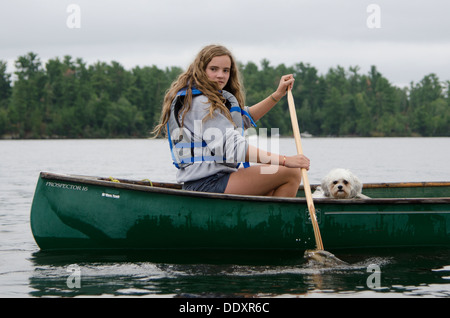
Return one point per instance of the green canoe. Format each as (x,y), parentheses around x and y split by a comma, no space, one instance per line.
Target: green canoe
(79,212)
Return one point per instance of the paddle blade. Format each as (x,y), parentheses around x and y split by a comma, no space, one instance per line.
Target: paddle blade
(323,259)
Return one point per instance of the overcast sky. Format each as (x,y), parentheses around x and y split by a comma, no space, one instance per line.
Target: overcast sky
(405,39)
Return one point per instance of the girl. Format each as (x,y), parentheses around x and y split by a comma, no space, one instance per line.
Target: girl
(204,119)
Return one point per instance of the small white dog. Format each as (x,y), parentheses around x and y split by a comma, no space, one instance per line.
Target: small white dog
(340,184)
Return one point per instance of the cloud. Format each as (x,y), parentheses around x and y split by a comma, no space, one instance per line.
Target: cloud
(413,39)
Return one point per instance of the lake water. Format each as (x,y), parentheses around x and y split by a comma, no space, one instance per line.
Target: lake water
(27,272)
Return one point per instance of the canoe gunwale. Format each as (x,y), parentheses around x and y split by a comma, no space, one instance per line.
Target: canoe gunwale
(175,189)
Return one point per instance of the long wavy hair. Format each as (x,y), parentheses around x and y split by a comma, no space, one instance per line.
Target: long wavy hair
(195,76)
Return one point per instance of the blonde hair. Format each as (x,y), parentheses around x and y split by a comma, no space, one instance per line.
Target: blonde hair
(195,76)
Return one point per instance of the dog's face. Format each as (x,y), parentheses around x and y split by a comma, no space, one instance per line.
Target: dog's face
(340,189)
(341,184)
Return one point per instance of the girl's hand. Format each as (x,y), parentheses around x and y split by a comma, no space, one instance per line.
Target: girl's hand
(286,81)
(297,161)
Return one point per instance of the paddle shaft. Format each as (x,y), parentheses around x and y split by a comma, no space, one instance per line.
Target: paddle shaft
(307,187)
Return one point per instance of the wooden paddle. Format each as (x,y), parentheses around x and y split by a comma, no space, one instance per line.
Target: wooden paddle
(307,187)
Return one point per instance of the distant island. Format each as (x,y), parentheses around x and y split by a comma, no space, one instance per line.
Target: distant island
(66,98)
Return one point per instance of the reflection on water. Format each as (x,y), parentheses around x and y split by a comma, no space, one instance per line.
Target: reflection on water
(226,274)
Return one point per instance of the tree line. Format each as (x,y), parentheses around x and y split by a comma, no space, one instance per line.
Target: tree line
(66,98)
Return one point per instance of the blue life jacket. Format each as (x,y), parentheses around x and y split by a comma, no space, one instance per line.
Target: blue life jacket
(183,148)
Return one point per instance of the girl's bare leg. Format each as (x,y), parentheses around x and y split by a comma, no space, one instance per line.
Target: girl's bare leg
(283,183)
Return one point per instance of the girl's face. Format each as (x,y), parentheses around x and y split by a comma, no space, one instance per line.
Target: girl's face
(218,70)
